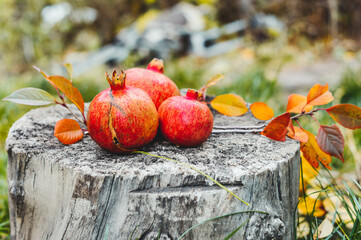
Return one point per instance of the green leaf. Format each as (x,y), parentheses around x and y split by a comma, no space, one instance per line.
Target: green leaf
(69,70)
(31,96)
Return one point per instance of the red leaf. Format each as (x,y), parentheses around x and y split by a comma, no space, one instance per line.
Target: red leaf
(319,95)
(277,128)
(68,131)
(331,141)
(348,115)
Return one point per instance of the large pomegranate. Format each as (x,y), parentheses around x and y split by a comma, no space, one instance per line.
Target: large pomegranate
(152,80)
(121,118)
(185,121)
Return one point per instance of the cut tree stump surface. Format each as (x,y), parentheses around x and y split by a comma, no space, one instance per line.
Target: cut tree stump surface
(81,191)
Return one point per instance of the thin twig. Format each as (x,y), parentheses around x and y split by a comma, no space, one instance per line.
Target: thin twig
(237,130)
(66,106)
(239,127)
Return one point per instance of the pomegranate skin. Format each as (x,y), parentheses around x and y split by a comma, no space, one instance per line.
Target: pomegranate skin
(152,80)
(122,119)
(185,121)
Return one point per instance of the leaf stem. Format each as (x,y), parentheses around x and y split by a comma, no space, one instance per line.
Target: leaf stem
(306,113)
(66,106)
(299,124)
(315,120)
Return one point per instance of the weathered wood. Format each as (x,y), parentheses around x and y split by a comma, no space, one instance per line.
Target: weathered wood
(84,192)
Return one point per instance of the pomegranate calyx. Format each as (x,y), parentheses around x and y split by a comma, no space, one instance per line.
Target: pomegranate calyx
(117,81)
(194,94)
(156,65)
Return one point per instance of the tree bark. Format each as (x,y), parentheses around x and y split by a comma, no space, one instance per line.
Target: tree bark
(81,191)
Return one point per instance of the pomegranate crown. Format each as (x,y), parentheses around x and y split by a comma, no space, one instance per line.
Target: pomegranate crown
(117,81)
(194,94)
(156,65)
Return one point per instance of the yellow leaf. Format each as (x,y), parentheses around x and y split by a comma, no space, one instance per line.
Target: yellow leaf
(311,206)
(230,105)
(211,82)
(309,173)
(324,229)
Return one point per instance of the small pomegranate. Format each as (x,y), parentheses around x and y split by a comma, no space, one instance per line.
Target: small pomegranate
(152,80)
(121,118)
(186,121)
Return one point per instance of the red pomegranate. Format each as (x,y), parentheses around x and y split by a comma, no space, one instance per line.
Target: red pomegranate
(152,80)
(185,121)
(121,118)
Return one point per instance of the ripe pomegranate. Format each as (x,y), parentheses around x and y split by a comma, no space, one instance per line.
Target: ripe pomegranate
(186,121)
(152,80)
(121,118)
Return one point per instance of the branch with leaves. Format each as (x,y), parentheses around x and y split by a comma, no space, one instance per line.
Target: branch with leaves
(68,131)
(329,140)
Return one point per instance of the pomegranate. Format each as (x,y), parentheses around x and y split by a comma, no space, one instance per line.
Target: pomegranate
(186,121)
(152,80)
(121,118)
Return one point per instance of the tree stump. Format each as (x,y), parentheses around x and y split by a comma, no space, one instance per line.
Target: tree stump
(81,191)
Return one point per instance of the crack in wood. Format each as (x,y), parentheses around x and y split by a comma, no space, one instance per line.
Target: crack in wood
(105,208)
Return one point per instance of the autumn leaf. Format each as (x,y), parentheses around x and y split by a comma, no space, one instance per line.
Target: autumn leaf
(319,95)
(296,103)
(313,153)
(68,131)
(348,115)
(290,128)
(324,229)
(331,141)
(308,173)
(230,105)
(298,134)
(64,85)
(69,70)
(31,96)
(211,82)
(277,128)
(261,111)
(309,205)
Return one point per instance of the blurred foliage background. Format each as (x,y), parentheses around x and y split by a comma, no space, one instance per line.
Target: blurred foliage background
(318,37)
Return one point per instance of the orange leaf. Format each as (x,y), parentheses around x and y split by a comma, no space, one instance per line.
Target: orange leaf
(68,131)
(348,115)
(313,153)
(230,105)
(296,103)
(277,128)
(319,95)
(261,111)
(298,134)
(331,141)
(67,88)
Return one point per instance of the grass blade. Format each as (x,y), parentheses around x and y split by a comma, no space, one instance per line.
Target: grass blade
(236,230)
(223,216)
(197,170)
